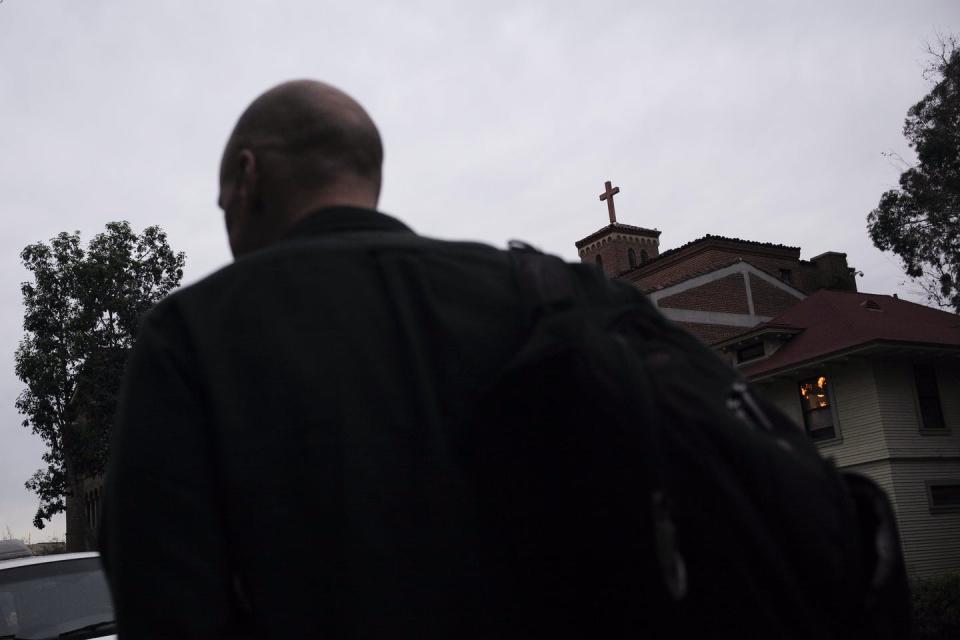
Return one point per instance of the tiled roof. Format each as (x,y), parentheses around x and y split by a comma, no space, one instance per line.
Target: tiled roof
(833,321)
(622,228)
(708,237)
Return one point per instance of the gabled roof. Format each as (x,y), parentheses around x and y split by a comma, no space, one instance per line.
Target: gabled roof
(830,322)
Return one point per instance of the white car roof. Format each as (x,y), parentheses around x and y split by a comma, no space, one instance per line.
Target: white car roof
(53,557)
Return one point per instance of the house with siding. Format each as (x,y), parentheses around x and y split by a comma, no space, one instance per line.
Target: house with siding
(875,381)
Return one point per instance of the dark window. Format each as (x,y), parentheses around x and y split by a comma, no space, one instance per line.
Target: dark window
(92,504)
(643,256)
(944,497)
(599,260)
(632,257)
(752,352)
(928,397)
(786,276)
(815,402)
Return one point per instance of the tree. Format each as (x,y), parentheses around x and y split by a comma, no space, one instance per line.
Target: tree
(81,315)
(920,221)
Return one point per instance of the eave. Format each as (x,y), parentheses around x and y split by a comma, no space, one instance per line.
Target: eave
(873,348)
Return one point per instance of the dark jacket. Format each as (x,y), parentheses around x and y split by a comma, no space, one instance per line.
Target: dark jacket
(286,459)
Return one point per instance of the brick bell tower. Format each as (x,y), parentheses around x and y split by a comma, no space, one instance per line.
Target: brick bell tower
(618,248)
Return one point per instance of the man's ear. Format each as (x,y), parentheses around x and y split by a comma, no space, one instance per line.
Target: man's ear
(248,179)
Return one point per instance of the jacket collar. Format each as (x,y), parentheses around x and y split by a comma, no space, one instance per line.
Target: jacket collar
(344,219)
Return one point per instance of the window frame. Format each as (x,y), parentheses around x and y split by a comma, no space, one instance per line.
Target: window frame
(921,427)
(937,509)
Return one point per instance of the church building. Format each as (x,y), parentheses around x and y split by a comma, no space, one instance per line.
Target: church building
(715,286)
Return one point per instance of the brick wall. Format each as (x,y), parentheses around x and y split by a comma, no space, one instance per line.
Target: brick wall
(615,252)
(827,271)
(727,295)
(711,333)
(614,245)
(769,300)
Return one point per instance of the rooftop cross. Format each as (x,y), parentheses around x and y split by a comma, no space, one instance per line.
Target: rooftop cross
(608,196)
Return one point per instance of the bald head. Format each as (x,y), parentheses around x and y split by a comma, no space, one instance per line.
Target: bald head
(300,146)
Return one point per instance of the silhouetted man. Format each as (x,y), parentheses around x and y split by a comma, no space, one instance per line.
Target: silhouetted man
(286,453)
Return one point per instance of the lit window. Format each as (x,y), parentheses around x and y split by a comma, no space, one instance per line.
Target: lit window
(632,256)
(928,397)
(815,402)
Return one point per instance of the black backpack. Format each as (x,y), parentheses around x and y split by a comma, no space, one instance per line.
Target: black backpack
(632,485)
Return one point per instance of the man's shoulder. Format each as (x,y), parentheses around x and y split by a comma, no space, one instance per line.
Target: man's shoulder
(325,255)
(331,260)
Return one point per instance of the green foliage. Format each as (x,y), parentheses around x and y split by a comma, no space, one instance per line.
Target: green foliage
(81,314)
(936,607)
(920,221)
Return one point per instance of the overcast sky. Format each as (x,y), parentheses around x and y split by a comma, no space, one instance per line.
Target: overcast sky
(763,120)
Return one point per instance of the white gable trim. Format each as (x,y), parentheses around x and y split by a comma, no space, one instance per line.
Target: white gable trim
(696,281)
(746,280)
(737,267)
(749,319)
